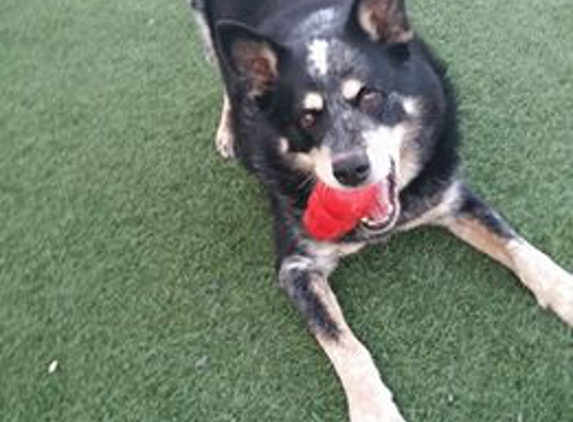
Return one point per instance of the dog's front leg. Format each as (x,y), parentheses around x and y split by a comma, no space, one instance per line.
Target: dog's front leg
(304,278)
(225,138)
(473,221)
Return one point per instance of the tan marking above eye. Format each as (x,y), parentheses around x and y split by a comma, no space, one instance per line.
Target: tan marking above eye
(411,105)
(313,101)
(351,88)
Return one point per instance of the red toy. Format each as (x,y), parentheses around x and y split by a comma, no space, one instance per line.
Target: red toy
(332,213)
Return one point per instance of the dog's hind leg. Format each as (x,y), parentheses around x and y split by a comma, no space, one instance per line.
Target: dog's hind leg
(472,220)
(304,278)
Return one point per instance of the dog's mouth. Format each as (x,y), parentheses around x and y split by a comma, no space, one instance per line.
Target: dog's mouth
(385,214)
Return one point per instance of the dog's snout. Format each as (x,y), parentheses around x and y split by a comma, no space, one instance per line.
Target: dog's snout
(351,169)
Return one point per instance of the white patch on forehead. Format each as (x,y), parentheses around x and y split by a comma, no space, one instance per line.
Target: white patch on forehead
(313,101)
(318,56)
(351,88)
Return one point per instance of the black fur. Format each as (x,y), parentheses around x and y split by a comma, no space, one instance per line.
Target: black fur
(298,285)
(473,207)
(260,121)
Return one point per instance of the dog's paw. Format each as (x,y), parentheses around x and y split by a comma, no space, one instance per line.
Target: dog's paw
(224,141)
(560,296)
(382,415)
(378,406)
(551,284)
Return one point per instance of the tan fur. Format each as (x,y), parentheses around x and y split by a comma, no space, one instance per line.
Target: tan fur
(338,249)
(409,165)
(258,61)
(313,101)
(308,161)
(225,138)
(396,143)
(551,285)
(322,161)
(369,400)
(383,22)
(351,88)
(439,213)
(412,106)
(366,19)
(481,238)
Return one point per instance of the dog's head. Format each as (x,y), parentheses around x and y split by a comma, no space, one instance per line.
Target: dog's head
(345,88)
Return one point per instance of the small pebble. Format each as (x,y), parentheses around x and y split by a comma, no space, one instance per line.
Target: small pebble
(202,363)
(53,367)
(215,287)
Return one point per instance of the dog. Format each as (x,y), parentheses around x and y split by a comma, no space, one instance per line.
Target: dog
(344,92)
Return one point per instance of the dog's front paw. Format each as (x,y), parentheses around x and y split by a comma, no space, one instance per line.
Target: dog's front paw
(377,406)
(377,415)
(560,296)
(225,140)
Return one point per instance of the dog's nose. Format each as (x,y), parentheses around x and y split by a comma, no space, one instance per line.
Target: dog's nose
(351,169)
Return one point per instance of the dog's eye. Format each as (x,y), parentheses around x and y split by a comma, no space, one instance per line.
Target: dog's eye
(370,101)
(308,120)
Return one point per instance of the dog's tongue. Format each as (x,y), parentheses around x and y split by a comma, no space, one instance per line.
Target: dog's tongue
(381,207)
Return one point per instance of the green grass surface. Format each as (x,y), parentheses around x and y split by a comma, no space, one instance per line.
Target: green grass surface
(142,263)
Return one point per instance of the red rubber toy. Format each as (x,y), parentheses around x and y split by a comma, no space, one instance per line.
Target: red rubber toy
(332,213)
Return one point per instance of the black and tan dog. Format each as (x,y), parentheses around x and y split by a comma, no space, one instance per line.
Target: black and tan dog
(344,92)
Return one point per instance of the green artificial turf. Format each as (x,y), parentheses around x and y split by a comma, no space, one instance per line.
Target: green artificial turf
(141,262)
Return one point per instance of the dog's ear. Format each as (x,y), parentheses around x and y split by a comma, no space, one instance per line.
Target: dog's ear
(382,20)
(254,58)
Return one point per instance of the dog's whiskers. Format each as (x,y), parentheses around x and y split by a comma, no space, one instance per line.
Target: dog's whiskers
(307,181)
